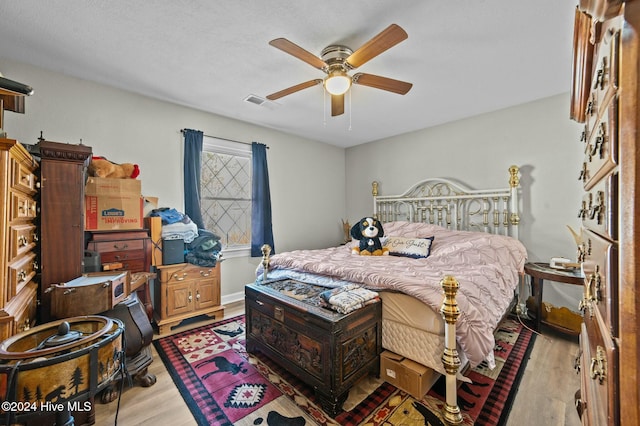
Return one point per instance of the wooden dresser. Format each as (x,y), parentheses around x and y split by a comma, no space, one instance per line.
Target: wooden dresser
(18,234)
(605,95)
(61,220)
(127,250)
(183,291)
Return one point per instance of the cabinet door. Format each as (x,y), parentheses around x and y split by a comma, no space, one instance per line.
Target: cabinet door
(179,298)
(206,294)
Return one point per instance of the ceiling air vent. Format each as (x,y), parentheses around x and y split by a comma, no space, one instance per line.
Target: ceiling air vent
(253,99)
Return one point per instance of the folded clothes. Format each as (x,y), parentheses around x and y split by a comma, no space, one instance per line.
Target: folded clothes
(180,231)
(348,298)
(168,215)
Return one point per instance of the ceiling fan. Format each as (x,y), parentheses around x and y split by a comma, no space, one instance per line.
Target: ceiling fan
(336,61)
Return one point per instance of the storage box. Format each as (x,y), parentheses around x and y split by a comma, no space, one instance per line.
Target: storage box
(408,375)
(89,294)
(113,204)
(150,204)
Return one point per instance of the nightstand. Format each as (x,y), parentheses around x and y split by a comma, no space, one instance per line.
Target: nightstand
(542,271)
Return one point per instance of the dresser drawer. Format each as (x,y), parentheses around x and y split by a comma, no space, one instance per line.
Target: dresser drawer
(22,178)
(122,256)
(21,272)
(601,149)
(605,76)
(186,271)
(22,239)
(598,369)
(25,316)
(117,246)
(600,268)
(599,210)
(22,207)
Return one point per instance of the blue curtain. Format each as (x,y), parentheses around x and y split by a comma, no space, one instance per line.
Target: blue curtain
(192,168)
(261,229)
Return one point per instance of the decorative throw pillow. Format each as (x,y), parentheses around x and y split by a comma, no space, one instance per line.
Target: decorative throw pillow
(409,247)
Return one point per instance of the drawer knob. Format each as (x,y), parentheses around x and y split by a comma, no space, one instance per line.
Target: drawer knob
(583,174)
(601,75)
(278,313)
(585,307)
(598,144)
(598,365)
(582,213)
(121,247)
(22,241)
(190,298)
(205,274)
(595,285)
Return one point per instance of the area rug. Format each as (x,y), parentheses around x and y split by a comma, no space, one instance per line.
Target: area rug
(224,385)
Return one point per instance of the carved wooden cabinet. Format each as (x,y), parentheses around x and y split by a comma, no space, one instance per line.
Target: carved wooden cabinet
(605,95)
(18,234)
(61,220)
(331,351)
(184,291)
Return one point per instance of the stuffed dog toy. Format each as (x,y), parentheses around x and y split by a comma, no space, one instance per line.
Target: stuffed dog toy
(368,230)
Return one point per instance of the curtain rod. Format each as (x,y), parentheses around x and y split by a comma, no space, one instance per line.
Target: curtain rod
(224,139)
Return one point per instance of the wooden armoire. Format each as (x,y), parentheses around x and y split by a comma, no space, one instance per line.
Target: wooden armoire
(61,221)
(605,97)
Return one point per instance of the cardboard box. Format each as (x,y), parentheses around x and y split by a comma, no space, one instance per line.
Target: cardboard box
(408,375)
(150,204)
(112,204)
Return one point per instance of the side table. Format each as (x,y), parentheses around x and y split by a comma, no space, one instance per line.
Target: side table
(542,271)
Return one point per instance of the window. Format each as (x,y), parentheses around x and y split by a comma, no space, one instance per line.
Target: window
(225,183)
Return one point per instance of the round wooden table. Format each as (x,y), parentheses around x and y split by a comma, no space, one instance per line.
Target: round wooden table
(542,271)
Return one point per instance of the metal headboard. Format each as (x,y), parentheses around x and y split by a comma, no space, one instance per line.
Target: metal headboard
(454,206)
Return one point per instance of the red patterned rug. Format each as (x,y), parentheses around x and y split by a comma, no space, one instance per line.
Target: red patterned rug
(224,385)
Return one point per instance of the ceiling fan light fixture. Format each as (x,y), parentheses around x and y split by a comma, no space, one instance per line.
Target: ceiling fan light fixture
(337,83)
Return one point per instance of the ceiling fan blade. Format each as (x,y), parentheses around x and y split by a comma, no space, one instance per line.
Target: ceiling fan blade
(337,105)
(384,83)
(388,38)
(297,51)
(294,89)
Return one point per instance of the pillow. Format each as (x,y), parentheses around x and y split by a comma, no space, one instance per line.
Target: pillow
(415,248)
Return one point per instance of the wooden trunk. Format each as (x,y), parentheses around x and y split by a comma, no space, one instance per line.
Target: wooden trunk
(327,350)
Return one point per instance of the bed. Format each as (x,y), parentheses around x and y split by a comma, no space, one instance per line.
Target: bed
(474,257)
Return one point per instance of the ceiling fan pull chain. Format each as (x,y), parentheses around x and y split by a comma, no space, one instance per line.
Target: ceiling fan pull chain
(350,102)
(324,107)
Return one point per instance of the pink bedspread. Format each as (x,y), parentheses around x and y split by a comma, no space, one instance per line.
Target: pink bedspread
(485,265)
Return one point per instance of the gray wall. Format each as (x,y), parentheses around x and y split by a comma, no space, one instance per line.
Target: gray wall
(312,182)
(538,137)
(307,177)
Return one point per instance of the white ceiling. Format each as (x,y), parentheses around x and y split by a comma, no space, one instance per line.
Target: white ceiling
(464,57)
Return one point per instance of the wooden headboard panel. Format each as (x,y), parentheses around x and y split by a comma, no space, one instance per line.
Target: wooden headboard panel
(452,205)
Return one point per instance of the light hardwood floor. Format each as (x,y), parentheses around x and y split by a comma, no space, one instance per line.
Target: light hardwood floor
(545,396)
